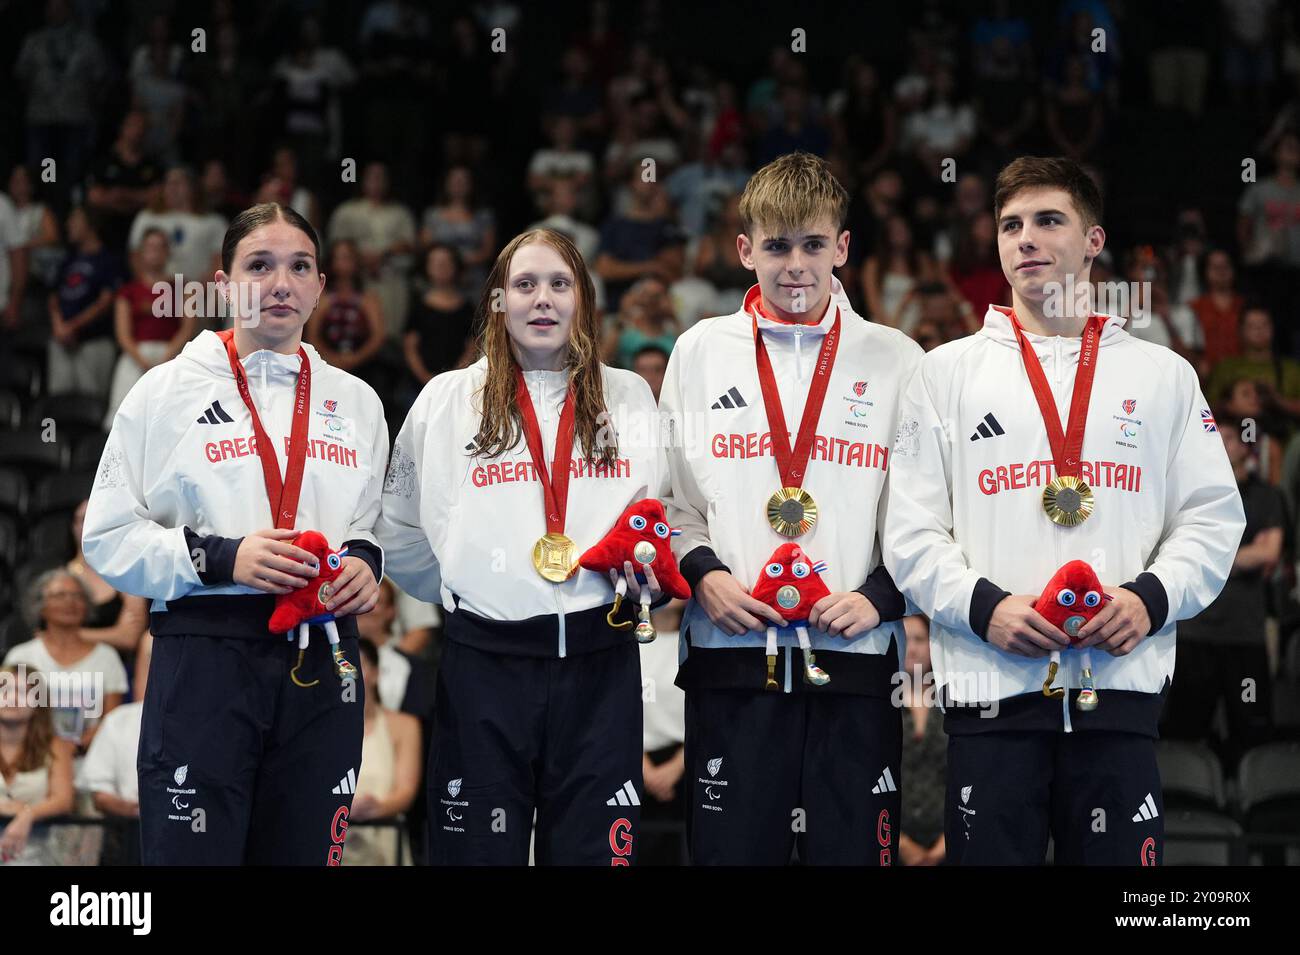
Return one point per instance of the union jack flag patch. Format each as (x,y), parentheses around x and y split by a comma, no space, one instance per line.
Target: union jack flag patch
(1207,420)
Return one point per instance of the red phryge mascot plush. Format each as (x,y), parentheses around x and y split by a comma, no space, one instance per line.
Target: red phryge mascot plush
(299,609)
(640,535)
(790,584)
(1072,597)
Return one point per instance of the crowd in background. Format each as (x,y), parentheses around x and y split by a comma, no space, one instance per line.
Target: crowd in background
(419,140)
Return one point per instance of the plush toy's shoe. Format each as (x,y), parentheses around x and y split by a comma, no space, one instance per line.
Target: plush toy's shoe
(812,673)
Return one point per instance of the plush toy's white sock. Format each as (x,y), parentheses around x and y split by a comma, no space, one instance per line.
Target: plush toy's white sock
(804,642)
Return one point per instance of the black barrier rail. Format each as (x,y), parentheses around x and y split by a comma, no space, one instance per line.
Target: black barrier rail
(125,824)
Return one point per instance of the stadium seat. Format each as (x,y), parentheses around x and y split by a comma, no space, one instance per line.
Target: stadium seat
(50,537)
(13,491)
(13,631)
(60,492)
(27,449)
(1190,838)
(11,409)
(21,374)
(1286,695)
(8,598)
(72,414)
(9,541)
(1191,775)
(87,451)
(1268,782)
(1269,773)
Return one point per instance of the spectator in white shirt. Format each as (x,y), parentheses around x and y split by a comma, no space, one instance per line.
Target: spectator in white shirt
(108,772)
(194,235)
(57,604)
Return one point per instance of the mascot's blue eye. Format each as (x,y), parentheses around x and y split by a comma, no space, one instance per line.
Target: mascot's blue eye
(334,561)
(774,570)
(799,568)
(637,522)
(1066,598)
(1091,598)
(661,529)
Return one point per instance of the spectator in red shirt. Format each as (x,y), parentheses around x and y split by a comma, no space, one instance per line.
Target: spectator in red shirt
(150,327)
(975,272)
(1218,311)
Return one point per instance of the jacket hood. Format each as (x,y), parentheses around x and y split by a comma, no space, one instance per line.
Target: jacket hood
(776,328)
(209,352)
(997,326)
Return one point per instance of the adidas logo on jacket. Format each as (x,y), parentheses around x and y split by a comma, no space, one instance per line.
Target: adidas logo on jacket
(723,470)
(182,454)
(458,530)
(966,525)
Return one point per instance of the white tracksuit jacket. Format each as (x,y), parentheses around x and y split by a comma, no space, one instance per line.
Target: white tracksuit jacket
(965,523)
(723,472)
(180,473)
(458,530)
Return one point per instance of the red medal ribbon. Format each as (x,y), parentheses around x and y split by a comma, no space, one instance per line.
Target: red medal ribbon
(555,487)
(283,497)
(792,464)
(1067,446)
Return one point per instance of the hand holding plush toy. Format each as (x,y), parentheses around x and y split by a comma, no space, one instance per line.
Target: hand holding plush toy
(299,609)
(640,537)
(1072,597)
(790,583)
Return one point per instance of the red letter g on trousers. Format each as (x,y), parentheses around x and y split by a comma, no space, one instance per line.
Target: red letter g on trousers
(620,841)
(338,832)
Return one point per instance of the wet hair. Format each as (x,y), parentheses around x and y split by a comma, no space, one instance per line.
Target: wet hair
(501,425)
(254,217)
(1055,172)
(790,193)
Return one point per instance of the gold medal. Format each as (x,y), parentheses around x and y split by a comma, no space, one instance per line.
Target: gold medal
(1068,501)
(555,557)
(791,511)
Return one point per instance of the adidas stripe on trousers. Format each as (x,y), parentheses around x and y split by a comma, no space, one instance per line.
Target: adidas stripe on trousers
(766,772)
(517,735)
(238,765)
(1097,794)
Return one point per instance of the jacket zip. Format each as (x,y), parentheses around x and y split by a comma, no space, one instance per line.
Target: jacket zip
(798,373)
(1056,543)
